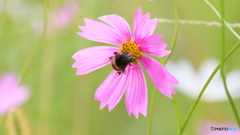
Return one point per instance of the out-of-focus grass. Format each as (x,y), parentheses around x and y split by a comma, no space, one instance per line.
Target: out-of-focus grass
(62,103)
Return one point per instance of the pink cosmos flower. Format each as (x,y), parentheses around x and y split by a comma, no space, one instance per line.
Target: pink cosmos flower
(64,15)
(11,94)
(129,78)
(59,19)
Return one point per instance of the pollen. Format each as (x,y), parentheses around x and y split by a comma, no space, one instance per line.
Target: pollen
(132,48)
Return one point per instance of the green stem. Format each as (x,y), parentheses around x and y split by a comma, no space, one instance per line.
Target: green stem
(219,16)
(231,101)
(152,103)
(2,23)
(177,113)
(205,86)
(37,44)
(175,31)
(160,60)
(229,96)
(27,62)
(222,68)
(149,131)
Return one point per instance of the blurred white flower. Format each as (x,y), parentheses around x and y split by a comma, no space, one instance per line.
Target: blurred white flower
(191,80)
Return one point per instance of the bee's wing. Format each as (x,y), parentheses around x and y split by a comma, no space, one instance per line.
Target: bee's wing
(124,72)
(110,59)
(116,74)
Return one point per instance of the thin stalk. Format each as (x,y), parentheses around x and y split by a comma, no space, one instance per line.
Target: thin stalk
(220,17)
(2,23)
(37,44)
(152,103)
(177,113)
(20,113)
(222,68)
(205,86)
(175,34)
(28,60)
(231,100)
(153,97)
(160,60)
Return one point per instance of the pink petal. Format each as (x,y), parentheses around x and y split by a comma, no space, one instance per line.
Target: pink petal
(136,93)
(153,45)
(11,95)
(100,32)
(90,59)
(8,81)
(119,24)
(161,78)
(12,99)
(112,89)
(143,26)
(65,14)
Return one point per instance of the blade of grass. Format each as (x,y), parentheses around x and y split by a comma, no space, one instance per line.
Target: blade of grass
(23,120)
(220,17)
(222,67)
(37,44)
(177,113)
(205,86)
(150,117)
(2,23)
(175,34)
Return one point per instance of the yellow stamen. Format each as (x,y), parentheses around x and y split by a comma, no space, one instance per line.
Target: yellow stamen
(132,48)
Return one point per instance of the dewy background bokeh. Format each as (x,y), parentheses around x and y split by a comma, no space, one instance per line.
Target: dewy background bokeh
(62,103)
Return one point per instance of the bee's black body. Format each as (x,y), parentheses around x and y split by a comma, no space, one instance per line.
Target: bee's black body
(121,61)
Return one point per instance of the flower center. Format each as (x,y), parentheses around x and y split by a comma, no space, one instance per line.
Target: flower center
(132,48)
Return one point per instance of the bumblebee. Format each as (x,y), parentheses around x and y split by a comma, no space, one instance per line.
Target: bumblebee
(121,61)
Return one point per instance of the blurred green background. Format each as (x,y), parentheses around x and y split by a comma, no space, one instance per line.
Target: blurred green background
(62,102)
